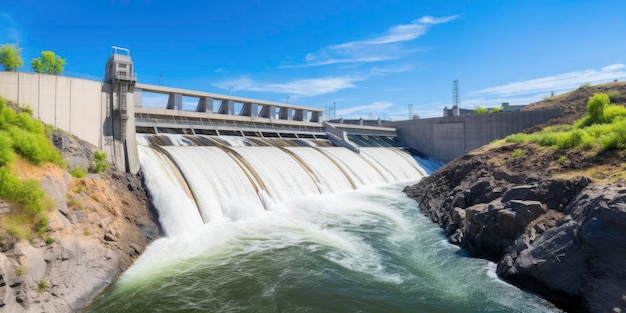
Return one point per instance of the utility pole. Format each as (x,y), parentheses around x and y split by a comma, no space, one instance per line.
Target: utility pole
(410,111)
(455,93)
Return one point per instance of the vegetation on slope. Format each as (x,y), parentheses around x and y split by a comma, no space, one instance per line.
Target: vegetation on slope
(23,137)
(602,128)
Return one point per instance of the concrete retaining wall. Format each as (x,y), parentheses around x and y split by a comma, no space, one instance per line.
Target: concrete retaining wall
(78,106)
(446,138)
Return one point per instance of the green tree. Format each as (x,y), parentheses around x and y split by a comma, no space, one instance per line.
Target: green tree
(596,106)
(48,63)
(10,58)
(480,110)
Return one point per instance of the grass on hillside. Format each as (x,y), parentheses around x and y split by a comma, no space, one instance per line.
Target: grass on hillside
(602,128)
(24,137)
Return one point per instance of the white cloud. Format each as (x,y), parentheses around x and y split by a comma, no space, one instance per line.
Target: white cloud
(613,67)
(364,110)
(300,87)
(386,46)
(558,82)
(434,20)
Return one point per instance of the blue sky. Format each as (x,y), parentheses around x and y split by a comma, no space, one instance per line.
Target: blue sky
(372,58)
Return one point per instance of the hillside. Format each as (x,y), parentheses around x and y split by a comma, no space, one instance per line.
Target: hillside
(89,229)
(574,103)
(553,219)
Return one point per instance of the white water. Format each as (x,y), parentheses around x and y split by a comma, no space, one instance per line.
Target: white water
(241,181)
(178,212)
(281,229)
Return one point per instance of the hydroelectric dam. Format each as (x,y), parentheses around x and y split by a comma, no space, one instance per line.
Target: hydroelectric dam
(266,207)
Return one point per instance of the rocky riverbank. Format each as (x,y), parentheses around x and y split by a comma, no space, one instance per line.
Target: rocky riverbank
(555,225)
(98,226)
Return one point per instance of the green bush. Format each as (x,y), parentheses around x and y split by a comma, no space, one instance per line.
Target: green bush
(612,112)
(78,173)
(517,153)
(596,106)
(34,147)
(585,86)
(570,139)
(6,148)
(99,163)
(496,110)
(517,138)
(49,240)
(28,136)
(41,286)
(41,225)
(613,95)
(480,110)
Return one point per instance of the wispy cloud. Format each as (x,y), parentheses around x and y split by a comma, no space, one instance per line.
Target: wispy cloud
(364,110)
(299,87)
(382,47)
(558,82)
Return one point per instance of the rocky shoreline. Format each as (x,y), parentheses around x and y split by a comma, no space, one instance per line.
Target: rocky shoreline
(561,237)
(99,226)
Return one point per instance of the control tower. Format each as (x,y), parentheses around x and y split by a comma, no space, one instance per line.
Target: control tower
(120,75)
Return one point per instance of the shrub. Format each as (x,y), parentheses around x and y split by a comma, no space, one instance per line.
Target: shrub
(612,112)
(596,106)
(517,153)
(34,147)
(480,110)
(41,286)
(615,138)
(613,95)
(49,240)
(28,109)
(561,159)
(516,138)
(99,163)
(79,188)
(6,148)
(585,86)
(570,139)
(496,110)
(41,225)
(78,173)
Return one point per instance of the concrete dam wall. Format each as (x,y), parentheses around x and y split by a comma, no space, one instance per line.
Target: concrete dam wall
(78,106)
(446,138)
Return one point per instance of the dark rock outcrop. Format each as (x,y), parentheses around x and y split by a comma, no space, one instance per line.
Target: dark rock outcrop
(562,238)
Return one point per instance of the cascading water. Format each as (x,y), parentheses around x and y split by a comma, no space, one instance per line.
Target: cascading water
(297,228)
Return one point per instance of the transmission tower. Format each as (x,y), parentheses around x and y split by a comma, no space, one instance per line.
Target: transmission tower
(455,93)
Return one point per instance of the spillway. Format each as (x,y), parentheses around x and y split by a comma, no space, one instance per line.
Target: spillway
(240,174)
(280,225)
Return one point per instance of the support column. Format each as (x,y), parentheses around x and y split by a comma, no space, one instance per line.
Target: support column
(283,114)
(268,111)
(227,107)
(299,115)
(316,117)
(205,105)
(175,102)
(250,109)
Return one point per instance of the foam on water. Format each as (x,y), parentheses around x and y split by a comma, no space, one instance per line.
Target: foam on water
(281,233)
(178,212)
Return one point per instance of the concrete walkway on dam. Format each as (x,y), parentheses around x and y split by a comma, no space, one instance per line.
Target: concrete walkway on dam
(90,110)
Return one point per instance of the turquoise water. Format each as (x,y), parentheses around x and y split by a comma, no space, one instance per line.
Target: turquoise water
(368,250)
